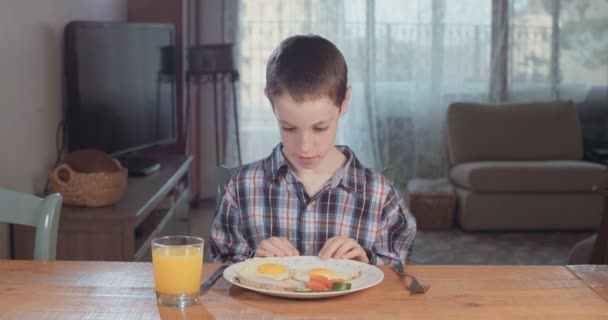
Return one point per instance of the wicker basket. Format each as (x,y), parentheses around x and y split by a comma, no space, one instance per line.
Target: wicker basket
(89,178)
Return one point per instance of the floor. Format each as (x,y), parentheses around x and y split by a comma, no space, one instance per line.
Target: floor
(456,246)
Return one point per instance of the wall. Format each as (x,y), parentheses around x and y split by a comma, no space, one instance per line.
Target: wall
(31,88)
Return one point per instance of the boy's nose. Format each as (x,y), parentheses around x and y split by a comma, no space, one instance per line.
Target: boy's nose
(305,143)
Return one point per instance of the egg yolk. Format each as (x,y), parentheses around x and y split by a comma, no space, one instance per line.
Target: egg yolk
(271,268)
(321,272)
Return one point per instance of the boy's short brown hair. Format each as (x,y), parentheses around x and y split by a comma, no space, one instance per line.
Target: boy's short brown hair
(307,67)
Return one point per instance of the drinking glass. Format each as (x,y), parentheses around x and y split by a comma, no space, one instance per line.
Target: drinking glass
(178,264)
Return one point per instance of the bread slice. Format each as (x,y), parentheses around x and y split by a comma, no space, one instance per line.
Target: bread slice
(266,284)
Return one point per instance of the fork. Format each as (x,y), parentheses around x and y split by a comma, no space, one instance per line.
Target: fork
(415,287)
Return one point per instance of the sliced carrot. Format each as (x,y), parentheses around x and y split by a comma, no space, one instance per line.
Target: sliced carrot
(321,279)
(318,279)
(316,286)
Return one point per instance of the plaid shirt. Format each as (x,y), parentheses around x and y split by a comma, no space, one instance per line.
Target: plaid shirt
(265,199)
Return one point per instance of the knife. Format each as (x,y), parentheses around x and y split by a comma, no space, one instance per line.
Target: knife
(209,282)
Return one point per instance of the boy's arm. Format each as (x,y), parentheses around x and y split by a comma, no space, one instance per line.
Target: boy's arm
(396,234)
(227,234)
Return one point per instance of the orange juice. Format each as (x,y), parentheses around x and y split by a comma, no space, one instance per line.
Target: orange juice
(177,270)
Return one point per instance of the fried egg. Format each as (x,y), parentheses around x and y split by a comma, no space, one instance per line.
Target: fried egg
(304,276)
(265,269)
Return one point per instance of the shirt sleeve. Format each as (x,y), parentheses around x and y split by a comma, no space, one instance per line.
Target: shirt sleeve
(227,240)
(397,231)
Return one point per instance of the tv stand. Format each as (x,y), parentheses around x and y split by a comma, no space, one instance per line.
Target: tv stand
(141,166)
(151,206)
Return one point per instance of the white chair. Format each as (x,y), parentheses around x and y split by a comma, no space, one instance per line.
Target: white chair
(594,249)
(43,214)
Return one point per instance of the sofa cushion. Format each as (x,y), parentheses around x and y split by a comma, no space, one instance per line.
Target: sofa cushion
(528,211)
(525,132)
(530,176)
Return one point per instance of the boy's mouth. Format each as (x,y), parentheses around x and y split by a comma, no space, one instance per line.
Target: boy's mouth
(307,159)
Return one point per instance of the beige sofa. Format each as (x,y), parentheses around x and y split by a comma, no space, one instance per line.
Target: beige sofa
(519,167)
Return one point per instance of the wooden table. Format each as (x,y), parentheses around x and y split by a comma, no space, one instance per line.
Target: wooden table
(595,276)
(124,290)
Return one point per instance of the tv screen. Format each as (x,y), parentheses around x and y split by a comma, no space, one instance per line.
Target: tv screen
(119,100)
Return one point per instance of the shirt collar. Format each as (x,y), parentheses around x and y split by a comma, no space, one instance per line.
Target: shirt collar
(350,176)
(275,164)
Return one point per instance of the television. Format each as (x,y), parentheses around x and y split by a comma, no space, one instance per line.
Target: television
(119,88)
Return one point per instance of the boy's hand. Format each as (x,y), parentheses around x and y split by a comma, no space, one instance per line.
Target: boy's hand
(343,247)
(276,247)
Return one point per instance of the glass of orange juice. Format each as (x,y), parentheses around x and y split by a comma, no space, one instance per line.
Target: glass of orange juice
(178,264)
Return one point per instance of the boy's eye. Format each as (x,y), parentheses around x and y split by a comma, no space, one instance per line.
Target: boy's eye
(288,129)
(321,129)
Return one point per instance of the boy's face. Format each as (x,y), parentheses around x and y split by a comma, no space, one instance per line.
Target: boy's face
(308,128)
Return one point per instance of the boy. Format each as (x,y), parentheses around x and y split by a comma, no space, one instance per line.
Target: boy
(310,197)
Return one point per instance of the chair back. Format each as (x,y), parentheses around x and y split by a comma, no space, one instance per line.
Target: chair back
(42,214)
(390,173)
(599,253)
(223,174)
(593,249)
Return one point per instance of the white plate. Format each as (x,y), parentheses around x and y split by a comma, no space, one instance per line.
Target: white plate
(370,275)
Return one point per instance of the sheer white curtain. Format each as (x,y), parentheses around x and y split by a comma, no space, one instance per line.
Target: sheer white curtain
(559,50)
(408,60)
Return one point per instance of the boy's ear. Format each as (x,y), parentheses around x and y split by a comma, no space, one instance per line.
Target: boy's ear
(346,101)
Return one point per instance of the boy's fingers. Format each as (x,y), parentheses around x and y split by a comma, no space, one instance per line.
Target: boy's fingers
(292,250)
(331,247)
(357,254)
(346,246)
(334,246)
(284,246)
(268,245)
(263,253)
(325,247)
(276,247)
